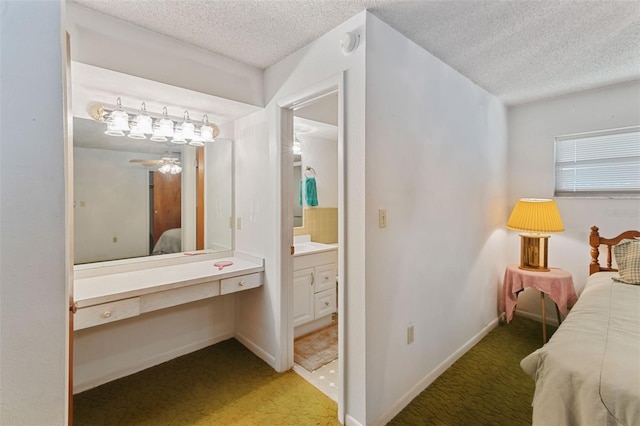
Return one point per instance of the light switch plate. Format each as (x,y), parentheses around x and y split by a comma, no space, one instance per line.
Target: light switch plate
(382,218)
(410,335)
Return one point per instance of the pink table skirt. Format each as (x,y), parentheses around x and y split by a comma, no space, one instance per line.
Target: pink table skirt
(558,284)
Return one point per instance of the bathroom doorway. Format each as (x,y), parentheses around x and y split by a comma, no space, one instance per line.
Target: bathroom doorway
(312,184)
(315,237)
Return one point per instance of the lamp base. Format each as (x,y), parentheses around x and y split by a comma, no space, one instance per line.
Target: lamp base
(533,252)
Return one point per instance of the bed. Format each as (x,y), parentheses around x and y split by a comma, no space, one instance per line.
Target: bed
(589,371)
(169,242)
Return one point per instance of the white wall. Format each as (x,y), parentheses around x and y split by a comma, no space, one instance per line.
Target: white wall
(111,201)
(323,110)
(256,315)
(258,162)
(532,128)
(33,290)
(322,155)
(109,43)
(218,194)
(435,160)
(124,347)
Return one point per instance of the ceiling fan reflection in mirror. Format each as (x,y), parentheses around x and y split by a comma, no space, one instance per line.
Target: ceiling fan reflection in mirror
(165,164)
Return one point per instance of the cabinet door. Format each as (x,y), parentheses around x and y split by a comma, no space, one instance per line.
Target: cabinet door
(325,303)
(325,277)
(303,309)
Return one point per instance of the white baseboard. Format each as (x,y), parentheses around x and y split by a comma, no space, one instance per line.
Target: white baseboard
(430,377)
(350,421)
(256,349)
(312,326)
(149,362)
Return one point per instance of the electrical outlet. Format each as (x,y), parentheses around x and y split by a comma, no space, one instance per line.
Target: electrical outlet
(382,218)
(410,335)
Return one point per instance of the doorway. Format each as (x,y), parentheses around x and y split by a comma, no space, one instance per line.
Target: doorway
(300,116)
(166,195)
(315,194)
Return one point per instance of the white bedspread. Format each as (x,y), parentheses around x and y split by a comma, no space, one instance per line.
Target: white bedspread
(169,242)
(589,372)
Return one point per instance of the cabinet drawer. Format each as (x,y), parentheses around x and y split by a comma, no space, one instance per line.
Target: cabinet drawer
(325,277)
(106,313)
(178,296)
(242,282)
(325,303)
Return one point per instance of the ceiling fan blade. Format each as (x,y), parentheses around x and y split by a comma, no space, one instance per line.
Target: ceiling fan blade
(147,162)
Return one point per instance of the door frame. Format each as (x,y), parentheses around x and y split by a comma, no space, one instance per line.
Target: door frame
(69,232)
(284,134)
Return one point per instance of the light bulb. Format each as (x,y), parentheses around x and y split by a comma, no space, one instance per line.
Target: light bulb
(206,131)
(164,125)
(136,133)
(112,130)
(297,148)
(196,141)
(118,118)
(157,137)
(165,168)
(143,122)
(178,138)
(188,129)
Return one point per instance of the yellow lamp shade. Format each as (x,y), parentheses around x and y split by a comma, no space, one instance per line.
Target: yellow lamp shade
(535,215)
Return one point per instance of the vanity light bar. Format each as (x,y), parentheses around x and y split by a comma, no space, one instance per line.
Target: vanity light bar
(181,130)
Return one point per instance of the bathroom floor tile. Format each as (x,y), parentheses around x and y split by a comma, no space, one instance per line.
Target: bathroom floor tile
(324,378)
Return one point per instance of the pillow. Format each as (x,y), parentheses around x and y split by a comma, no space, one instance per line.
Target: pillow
(627,254)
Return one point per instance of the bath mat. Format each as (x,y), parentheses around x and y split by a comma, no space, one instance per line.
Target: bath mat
(316,349)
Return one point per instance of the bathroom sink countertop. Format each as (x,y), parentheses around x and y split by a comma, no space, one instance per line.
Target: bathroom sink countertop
(303,246)
(118,286)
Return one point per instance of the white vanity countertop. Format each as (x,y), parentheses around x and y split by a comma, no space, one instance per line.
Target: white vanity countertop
(303,246)
(107,288)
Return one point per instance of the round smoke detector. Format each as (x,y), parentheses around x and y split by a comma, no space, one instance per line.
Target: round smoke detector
(349,43)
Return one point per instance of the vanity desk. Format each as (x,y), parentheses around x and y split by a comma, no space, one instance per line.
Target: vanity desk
(102,298)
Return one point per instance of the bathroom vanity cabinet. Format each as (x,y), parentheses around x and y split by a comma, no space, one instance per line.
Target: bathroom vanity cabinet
(103,299)
(314,290)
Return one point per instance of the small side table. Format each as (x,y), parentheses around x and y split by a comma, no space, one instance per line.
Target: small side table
(558,284)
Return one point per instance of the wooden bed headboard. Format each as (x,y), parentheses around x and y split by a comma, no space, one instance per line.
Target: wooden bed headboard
(595,240)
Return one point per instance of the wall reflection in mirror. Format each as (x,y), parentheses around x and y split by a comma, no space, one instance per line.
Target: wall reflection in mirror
(136,198)
(315,155)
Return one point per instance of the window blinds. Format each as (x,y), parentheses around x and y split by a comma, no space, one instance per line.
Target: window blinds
(603,163)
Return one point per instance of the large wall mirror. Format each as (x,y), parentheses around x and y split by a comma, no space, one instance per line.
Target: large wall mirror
(129,202)
(315,154)
(135,198)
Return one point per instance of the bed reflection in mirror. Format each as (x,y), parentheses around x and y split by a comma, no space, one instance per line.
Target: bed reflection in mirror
(136,198)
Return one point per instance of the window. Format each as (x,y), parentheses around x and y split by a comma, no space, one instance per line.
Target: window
(604,163)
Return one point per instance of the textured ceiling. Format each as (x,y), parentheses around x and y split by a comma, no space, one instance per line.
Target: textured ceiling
(517,50)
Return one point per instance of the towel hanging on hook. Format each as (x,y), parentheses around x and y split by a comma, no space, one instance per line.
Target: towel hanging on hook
(311,191)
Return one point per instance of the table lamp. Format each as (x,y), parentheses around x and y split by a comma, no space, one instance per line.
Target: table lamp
(536,218)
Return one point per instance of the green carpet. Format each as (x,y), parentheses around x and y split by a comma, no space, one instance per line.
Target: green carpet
(486,386)
(226,384)
(223,384)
